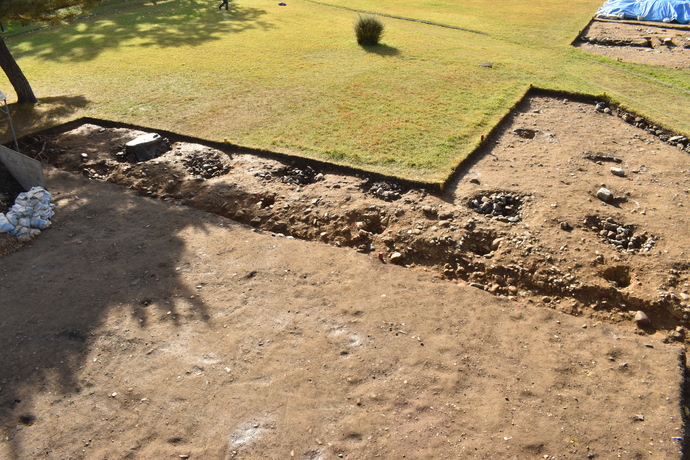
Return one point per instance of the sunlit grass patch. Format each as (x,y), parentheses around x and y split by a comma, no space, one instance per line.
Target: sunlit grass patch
(294,79)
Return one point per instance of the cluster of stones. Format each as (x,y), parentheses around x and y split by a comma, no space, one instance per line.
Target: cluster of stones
(205,166)
(679,141)
(387,191)
(298,176)
(480,242)
(619,235)
(642,42)
(91,169)
(502,206)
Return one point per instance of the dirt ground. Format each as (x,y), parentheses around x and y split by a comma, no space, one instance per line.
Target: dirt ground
(213,303)
(640,42)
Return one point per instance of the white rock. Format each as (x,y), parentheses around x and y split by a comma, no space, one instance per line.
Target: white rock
(616,171)
(395,258)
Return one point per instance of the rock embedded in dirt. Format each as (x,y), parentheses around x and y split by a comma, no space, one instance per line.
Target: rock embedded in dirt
(446,215)
(677,335)
(605,195)
(147,147)
(620,172)
(525,133)
(565,226)
(642,319)
(396,258)
(429,211)
(599,158)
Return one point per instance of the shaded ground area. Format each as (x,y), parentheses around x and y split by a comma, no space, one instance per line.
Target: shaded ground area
(640,42)
(138,326)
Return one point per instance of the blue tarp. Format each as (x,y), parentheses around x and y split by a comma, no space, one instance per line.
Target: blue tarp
(647,10)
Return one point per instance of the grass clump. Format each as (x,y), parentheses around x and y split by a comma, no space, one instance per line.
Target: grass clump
(369,30)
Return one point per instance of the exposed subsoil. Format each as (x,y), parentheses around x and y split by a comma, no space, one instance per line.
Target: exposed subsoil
(650,43)
(563,271)
(522,220)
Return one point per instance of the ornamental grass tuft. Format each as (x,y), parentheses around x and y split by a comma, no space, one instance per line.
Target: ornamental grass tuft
(369,30)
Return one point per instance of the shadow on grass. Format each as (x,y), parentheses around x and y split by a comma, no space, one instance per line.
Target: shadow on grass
(168,24)
(382,50)
(104,261)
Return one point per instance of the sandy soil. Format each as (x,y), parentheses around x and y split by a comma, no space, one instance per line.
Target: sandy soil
(640,42)
(263,308)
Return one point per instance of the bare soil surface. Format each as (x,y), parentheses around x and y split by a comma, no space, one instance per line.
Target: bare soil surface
(640,42)
(212,303)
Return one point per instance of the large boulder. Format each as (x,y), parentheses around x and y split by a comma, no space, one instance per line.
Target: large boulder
(147,147)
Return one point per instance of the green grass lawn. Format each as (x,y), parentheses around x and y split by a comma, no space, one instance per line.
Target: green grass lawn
(293,79)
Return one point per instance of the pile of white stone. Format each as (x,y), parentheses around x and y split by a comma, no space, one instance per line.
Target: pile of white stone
(30,214)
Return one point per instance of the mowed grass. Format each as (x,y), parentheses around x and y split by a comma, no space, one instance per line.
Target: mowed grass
(293,79)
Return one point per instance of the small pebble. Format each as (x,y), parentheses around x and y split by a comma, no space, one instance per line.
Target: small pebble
(620,172)
(642,319)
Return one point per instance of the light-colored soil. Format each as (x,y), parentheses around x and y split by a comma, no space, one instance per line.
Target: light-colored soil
(158,328)
(650,43)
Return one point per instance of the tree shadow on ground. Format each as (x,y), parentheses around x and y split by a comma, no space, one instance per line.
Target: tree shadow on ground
(165,24)
(50,111)
(109,252)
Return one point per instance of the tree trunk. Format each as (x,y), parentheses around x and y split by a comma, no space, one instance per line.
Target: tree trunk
(21,85)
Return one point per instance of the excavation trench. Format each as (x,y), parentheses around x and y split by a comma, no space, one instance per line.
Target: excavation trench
(373,228)
(521,221)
